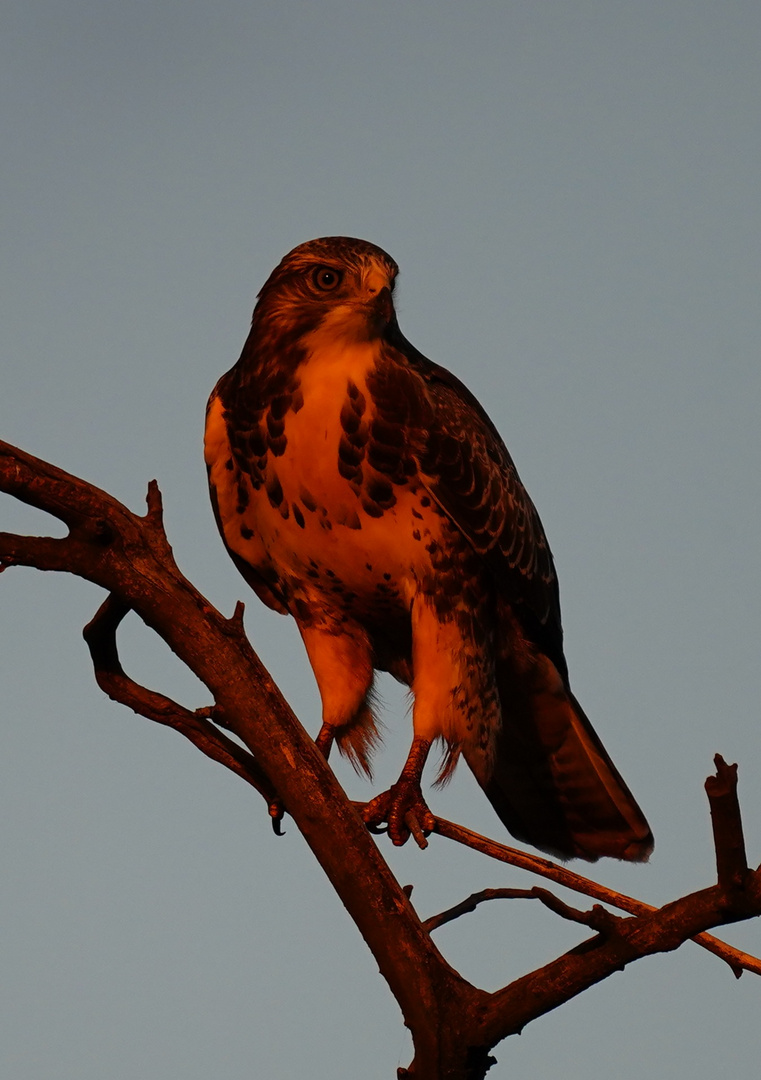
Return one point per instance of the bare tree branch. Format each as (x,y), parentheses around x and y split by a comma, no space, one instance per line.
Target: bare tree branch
(130,556)
(737,960)
(728,839)
(511,1008)
(454,1024)
(471,903)
(100,635)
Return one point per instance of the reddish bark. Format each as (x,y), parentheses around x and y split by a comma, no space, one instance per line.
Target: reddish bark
(454,1024)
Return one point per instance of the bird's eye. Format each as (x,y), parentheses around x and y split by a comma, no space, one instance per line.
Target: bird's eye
(326,278)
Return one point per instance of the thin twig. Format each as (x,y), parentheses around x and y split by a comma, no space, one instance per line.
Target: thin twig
(726,821)
(549,900)
(451,1020)
(737,960)
(471,903)
(125,555)
(565,911)
(618,942)
(100,635)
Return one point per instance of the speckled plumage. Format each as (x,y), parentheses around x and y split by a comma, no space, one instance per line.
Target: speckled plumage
(363,490)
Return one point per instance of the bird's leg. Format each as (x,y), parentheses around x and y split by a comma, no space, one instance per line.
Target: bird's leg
(325,738)
(323,742)
(403,806)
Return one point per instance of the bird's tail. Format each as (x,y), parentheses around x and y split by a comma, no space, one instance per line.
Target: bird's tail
(550,779)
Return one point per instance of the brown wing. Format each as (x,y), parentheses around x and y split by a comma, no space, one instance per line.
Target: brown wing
(549,777)
(466,467)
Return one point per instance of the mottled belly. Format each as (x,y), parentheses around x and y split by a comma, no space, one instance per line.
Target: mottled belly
(337,535)
(328,551)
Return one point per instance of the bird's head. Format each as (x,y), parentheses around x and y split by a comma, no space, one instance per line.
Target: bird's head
(336,284)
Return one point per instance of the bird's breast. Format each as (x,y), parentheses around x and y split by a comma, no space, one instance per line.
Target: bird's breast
(330,506)
(308,469)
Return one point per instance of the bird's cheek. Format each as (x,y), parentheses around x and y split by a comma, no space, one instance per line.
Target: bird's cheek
(384,305)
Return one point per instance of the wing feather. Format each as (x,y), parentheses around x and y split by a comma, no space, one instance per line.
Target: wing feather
(548,776)
(463,462)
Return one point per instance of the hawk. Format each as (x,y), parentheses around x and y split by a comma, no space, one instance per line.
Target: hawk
(362,489)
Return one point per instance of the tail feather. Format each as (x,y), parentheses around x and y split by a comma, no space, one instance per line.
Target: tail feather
(550,779)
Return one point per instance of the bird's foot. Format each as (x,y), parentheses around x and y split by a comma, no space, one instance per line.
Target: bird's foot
(404,811)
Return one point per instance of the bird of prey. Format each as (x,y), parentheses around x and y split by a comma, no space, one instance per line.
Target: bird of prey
(362,489)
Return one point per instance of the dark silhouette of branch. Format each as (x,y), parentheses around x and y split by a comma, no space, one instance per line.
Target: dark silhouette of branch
(728,839)
(737,960)
(100,635)
(130,557)
(454,1025)
(622,941)
(471,903)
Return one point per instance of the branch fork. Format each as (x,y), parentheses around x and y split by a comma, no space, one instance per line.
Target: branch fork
(454,1024)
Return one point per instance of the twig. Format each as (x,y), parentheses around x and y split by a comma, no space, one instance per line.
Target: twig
(452,1022)
(737,960)
(729,843)
(471,903)
(598,918)
(129,556)
(617,944)
(549,900)
(100,635)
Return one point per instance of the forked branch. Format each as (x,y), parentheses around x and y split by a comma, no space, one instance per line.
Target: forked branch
(454,1024)
(737,960)
(100,635)
(130,557)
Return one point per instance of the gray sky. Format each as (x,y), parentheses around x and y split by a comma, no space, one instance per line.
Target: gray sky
(572,192)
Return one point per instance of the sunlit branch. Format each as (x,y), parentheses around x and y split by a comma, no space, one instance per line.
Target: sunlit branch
(100,635)
(471,903)
(737,960)
(454,1024)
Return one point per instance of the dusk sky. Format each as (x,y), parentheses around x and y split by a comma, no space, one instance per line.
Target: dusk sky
(573,193)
